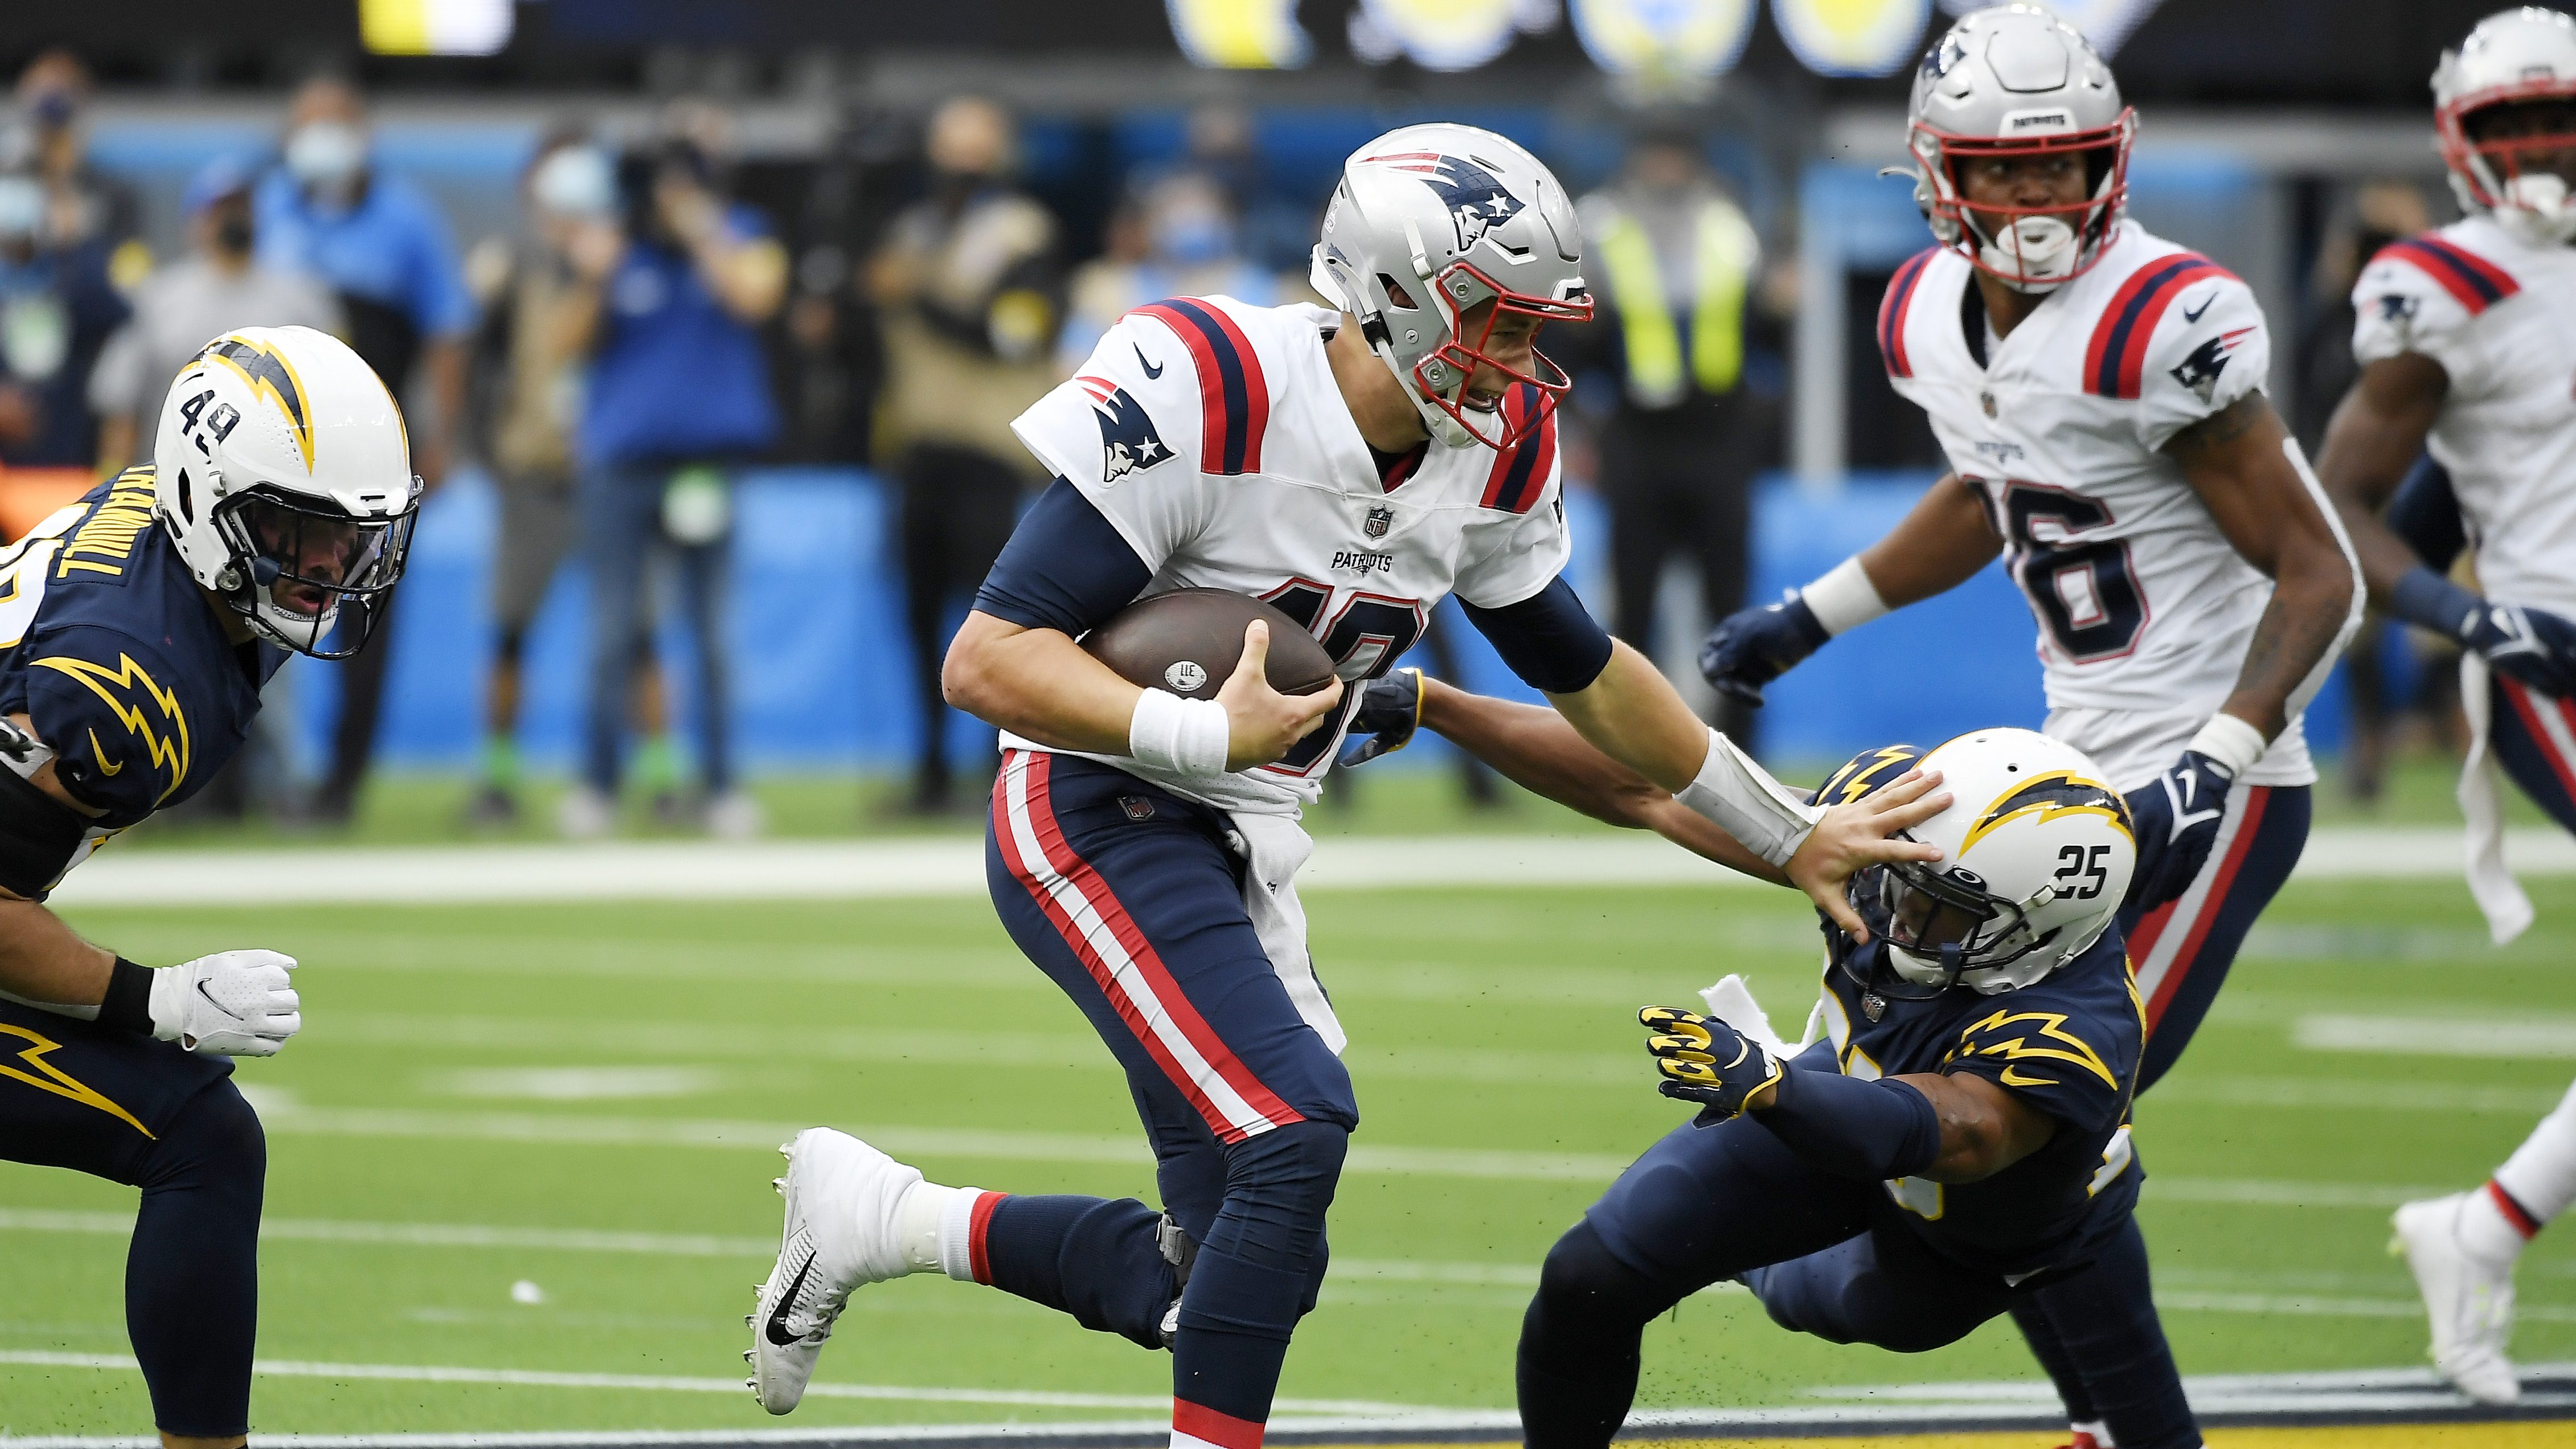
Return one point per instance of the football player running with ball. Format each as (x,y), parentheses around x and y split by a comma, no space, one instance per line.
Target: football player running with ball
(2097,393)
(140,624)
(2467,339)
(1352,467)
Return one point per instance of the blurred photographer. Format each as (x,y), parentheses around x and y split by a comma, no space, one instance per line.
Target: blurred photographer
(967,283)
(667,304)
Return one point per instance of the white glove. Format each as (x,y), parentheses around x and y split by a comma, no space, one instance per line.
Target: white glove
(233,1003)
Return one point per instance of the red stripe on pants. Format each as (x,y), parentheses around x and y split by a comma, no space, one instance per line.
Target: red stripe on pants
(2256,797)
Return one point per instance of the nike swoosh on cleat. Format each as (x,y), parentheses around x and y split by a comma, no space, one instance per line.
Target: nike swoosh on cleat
(1151,371)
(776,1327)
(2189,315)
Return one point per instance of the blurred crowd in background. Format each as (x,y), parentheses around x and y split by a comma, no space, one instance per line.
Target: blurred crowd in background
(653,323)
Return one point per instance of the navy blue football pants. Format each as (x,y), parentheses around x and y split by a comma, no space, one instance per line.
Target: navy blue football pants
(1130,899)
(122,1106)
(2534,737)
(1826,1255)
(2181,952)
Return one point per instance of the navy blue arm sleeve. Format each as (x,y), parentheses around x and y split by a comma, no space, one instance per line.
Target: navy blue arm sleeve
(1548,639)
(2426,513)
(1064,568)
(1853,1128)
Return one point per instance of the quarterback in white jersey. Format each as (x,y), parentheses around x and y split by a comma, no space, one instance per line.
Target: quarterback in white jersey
(2467,343)
(1353,467)
(2097,392)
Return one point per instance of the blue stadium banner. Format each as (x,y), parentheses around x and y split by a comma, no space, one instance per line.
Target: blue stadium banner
(2106,23)
(1240,34)
(1664,39)
(1852,37)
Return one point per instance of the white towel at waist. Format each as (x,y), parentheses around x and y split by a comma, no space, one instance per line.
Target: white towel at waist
(1273,847)
(2499,895)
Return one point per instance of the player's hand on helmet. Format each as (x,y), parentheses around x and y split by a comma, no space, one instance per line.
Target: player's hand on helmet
(1704,1060)
(2530,646)
(1263,723)
(1390,710)
(1751,647)
(1849,839)
(231,1004)
(2176,817)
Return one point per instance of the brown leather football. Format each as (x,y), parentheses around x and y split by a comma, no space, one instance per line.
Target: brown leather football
(1189,640)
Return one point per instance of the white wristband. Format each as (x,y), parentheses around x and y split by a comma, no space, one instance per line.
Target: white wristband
(1185,737)
(1844,598)
(1745,802)
(2233,743)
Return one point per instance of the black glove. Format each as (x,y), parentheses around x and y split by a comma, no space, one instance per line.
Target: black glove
(2530,646)
(2176,818)
(1706,1061)
(1752,647)
(1390,710)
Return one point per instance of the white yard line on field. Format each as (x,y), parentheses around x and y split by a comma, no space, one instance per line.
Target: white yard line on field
(841,870)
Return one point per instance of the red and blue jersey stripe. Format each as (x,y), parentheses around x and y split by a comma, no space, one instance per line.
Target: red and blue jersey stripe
(2472,280)
(2115,364)
(1519,475)
(1234,396)
(1892,310)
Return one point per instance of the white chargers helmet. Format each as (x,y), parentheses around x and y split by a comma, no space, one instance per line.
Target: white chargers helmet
(1429,223)
(2514,58)
(282,472)
(2036,855)
(2015,81)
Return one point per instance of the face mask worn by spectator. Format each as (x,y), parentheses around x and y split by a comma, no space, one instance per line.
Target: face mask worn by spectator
(326,155)
(575,181)
(22,208)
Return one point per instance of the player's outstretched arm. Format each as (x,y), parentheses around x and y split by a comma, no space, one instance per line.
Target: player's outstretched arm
(2257,486)
(1038,684)
(2377,431)
(1631,713)
(1940,545)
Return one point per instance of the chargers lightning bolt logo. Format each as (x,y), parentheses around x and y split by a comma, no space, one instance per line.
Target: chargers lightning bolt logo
(142,717)
(1127,437)
(269,375)
(30,1067)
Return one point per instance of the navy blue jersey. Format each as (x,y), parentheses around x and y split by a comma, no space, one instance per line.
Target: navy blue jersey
(2068,1044)
(118,658)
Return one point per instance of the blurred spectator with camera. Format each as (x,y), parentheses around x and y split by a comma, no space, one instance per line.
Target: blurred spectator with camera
(217,286)
(667,304)
(82,203)
(57,309)
(1676,265)
(381,244)
(967,288)
(524,403)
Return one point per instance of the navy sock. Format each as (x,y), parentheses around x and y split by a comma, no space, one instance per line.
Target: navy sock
(1581,1344)
(1257,1274)
(2106,1326)
(2050,1350)
(192,1273)
(1088,1256)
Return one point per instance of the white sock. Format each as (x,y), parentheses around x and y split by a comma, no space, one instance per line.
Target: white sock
(2541,1174)
(2100,1430)
(953,1246)
(916,1223)
(2487,1230)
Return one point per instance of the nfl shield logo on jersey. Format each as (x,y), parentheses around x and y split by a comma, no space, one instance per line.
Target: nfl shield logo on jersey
(1127,437)
(2200,371)
(1379,521)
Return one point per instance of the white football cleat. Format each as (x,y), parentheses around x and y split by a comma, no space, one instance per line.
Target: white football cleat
(2468,1298)
(843,1197)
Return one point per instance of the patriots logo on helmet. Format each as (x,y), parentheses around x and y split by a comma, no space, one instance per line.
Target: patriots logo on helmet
(1477,202)
(1127,437)
(2200,370)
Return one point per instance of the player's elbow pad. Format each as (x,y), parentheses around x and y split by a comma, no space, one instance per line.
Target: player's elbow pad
(1549,639)
(1853,1128)
(38,837)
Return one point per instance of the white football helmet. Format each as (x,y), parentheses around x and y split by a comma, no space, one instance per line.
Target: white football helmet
(2036,855)
(1428,223)
(282,472)
(2010,81)
(2512,58)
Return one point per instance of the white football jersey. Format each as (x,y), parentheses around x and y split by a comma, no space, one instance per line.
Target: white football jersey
(1212,436)
(2144,608)
(2500,316)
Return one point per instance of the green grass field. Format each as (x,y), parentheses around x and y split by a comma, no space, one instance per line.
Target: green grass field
(586,1098)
